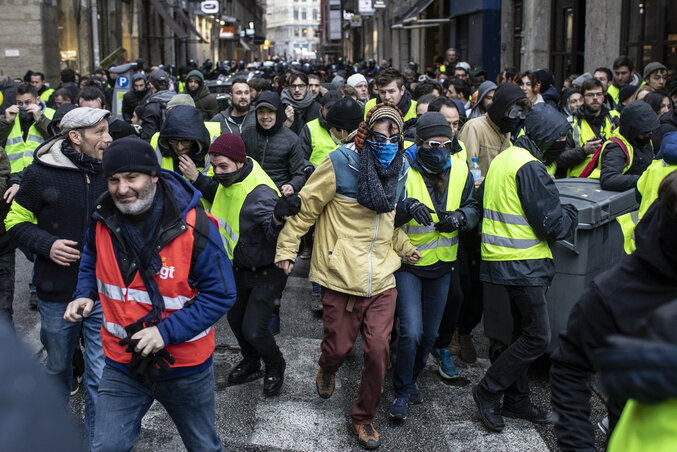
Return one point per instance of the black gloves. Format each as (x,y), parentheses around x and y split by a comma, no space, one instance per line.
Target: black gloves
(287,206)
(146,367)
(419,212)
(451,221)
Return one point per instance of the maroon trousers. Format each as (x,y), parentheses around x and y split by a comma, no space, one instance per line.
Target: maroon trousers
(344,316)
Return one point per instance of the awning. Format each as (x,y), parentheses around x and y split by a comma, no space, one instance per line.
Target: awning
(414,11)
(169,20)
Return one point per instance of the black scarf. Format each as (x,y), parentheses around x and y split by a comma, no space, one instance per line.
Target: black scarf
(377,186)
(85,163)
(142,245)
(596,120)
(404,104)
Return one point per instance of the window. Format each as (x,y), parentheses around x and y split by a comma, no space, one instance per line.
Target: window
(303,14)
(315,14)
(650,32)
(567,38)
(296,14)
(297,32)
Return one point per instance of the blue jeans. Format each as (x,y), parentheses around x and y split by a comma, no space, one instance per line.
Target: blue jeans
(420,305)
(123,401)
(60,338)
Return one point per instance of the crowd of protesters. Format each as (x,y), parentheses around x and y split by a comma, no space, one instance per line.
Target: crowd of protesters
(408,190)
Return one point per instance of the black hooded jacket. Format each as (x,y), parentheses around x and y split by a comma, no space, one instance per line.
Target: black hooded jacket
(278,149)
(132,98)
(185,122)
(637,118)
(615,303)
(573,153)
(668,123)
(539,197)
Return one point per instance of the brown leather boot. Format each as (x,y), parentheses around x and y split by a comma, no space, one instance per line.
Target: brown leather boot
(325,383)
(467,351)
(367,435)
(454,348)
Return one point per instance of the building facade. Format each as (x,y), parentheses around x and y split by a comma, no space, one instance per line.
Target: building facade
(292,27)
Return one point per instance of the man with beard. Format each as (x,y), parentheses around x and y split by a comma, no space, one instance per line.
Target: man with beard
(237,117)
(485,97)
(485,137)
(623,75)
(593,124)
(49,218)
(275,146)
(205,101)
(300,105)
(351,198)
(390,84)
(24,127)
(154,259)
(251,214)
(133,97)
(522,213)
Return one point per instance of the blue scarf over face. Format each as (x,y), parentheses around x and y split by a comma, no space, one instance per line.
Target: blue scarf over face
(143,247)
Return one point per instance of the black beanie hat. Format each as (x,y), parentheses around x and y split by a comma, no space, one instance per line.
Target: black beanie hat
(346,114)
(506,95)
(130,154)
(433,124)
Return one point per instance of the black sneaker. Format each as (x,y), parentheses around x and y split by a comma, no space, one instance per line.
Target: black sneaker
(75,384)
(245,369)
(529,412)
(489,410)
(272,382)
(33,301)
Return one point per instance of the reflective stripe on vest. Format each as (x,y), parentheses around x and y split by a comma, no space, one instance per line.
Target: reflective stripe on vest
(582,133)
(228,203)
(123,305)
(506,234)
(435,246)
(20,153)
(321,141)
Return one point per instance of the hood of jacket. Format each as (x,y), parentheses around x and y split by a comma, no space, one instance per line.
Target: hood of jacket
(668,150)
(637,118)
(272,98)
(543,126)
(481,92)
(161,97)
(49,154)
(505,95)
(184,122)
(564,100)
(551,94)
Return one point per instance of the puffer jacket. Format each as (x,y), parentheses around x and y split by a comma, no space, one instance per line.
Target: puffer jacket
(205,101)
(356,250)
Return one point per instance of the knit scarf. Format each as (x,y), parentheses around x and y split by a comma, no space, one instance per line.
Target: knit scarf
(302,104)
(377,186)
(84,162)
(142,245)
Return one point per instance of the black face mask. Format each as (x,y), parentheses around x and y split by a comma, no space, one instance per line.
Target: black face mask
(433,160)
(641,142)
(554,151)
(228,179)
(509,125)
(25,115)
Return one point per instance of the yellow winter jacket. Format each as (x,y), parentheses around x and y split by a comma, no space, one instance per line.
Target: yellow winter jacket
(355,250)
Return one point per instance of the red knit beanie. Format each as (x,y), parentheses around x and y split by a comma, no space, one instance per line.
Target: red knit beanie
(229,145)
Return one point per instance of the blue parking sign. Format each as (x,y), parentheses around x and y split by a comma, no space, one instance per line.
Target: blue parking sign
(122,81)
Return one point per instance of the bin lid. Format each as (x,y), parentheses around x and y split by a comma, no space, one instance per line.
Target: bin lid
(595,206)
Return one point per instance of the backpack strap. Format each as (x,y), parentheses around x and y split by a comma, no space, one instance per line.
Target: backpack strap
(623,148)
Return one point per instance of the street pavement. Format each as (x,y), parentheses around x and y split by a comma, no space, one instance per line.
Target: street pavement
(299,420)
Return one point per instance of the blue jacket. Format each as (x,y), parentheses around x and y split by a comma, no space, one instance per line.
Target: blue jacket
(211,273)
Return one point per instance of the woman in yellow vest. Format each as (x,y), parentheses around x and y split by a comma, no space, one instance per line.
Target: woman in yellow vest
(522,214)
(439,201)
(251,213)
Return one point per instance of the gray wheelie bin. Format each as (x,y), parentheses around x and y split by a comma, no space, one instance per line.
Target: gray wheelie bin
(596,246)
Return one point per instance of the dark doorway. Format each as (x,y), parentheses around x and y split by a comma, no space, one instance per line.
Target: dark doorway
(567,39)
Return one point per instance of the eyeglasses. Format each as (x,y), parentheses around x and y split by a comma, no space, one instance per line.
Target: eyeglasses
(380,138)
(298,87)
(436,144)
(591,95)
(177,141)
